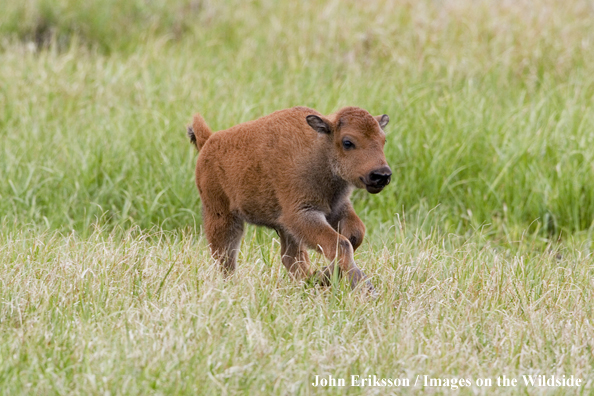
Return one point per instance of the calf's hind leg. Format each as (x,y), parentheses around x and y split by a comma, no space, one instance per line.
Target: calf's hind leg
(224,232)
(294,256)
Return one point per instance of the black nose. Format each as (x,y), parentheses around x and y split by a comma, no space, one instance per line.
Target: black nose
(381,177)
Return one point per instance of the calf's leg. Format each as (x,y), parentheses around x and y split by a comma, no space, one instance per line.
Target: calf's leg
(224,232)
(312,228)
(294,256)
(347,223)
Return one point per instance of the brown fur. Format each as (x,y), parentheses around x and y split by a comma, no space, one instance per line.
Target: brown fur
(280,172)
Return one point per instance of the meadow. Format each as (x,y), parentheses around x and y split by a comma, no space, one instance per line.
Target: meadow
(480,248)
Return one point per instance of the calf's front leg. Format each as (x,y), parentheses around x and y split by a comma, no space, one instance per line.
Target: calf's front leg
(311,228)
(294,256)
(347,223)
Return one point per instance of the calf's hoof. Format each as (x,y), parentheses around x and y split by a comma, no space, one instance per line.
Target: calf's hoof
(368,290)
(324,277)
(359,281)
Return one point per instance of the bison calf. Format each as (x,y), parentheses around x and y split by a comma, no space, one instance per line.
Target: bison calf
(293,171)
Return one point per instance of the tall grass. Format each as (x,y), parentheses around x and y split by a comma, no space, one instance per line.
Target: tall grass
(491,106)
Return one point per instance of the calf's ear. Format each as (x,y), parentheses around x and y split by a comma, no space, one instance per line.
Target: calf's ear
(319,124)
(382,120)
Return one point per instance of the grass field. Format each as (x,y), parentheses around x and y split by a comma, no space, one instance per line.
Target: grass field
(481,248)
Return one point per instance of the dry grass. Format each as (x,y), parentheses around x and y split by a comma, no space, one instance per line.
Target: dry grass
(148,313)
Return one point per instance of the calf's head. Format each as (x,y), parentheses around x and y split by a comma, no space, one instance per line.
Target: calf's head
(356,146)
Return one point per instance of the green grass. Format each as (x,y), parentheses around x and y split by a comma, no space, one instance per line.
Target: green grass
(481,246)
(492,124)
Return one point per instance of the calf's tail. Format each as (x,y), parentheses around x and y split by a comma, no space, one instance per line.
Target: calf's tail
(199,132)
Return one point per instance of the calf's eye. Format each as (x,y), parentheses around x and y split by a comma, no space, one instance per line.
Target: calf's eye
(347,144)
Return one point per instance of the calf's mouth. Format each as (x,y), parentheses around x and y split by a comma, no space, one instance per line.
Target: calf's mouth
(375,187)
(377,179)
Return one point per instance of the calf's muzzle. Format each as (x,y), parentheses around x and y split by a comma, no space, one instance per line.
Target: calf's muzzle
(377,179)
